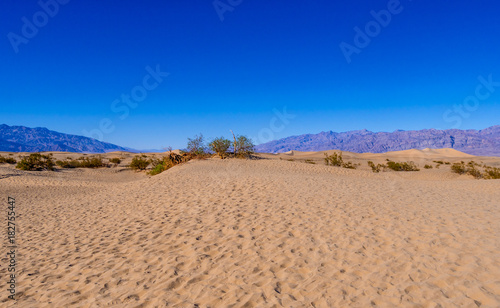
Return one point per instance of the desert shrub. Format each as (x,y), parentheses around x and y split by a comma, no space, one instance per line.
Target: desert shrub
(337,160)
(475,173)
(349,165)
(139,163)
(115,160)
(291,159)
(7,160)
(244,147)
(310,161)
(459,168)
(334,159)
(196,145)
(156,169)
(36,161)
(492,173)
(376,168)
(473,164)
(72,163)
(447,163)
(160,165)
(92,162)
(82,162)
(402,166)
(438,162)
(428,167)
(469,168)
(220,146)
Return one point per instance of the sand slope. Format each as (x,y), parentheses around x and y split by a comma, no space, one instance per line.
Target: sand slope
(262,233)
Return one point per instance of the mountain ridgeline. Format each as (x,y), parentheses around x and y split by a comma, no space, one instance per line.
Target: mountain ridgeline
(25,139)
(485,142)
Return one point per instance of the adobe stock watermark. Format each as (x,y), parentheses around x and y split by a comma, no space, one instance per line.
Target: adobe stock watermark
(223,6)
(277,124)
(373,28)
(126,102)
(483,91)
(40,19)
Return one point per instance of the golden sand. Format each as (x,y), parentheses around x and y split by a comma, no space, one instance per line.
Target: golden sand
(257,233)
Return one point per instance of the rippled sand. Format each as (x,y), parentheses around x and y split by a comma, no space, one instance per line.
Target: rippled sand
(255,233)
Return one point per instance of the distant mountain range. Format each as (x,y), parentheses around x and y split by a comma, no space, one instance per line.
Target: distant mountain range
(25,139)
(485,142)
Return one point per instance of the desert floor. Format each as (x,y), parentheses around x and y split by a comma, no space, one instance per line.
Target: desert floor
(278,231)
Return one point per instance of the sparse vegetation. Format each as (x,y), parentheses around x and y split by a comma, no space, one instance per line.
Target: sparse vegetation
(160,165)
(349,165)
(36,162)
(396,166)
(72,163)
(402,166)
(92,162)
(428,167)
(115,160)
(310,161)
(82,162)
(196,146)
(376,168)
(139,162)
(472,168)
(334,159)
(7,160)
(220,146)
(337,160)
(492,173)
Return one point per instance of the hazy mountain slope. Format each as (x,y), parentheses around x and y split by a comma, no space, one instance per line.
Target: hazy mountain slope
(477,142)
(25,139)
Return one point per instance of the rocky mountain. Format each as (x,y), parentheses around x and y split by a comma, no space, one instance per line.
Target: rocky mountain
(484,142)
(25,139)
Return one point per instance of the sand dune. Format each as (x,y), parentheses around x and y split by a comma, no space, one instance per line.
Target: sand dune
(255,233)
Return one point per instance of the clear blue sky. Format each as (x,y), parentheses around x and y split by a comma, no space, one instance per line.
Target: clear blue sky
(231,73)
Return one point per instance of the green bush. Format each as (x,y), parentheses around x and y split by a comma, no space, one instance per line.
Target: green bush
(115,160)
(82,162)
(68,163)
(139,163)
(403,166)
(196,146)
(428,167)
(36,161)
(160,165)
(244,147)
(92,162)
(220,146)
(7,160)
